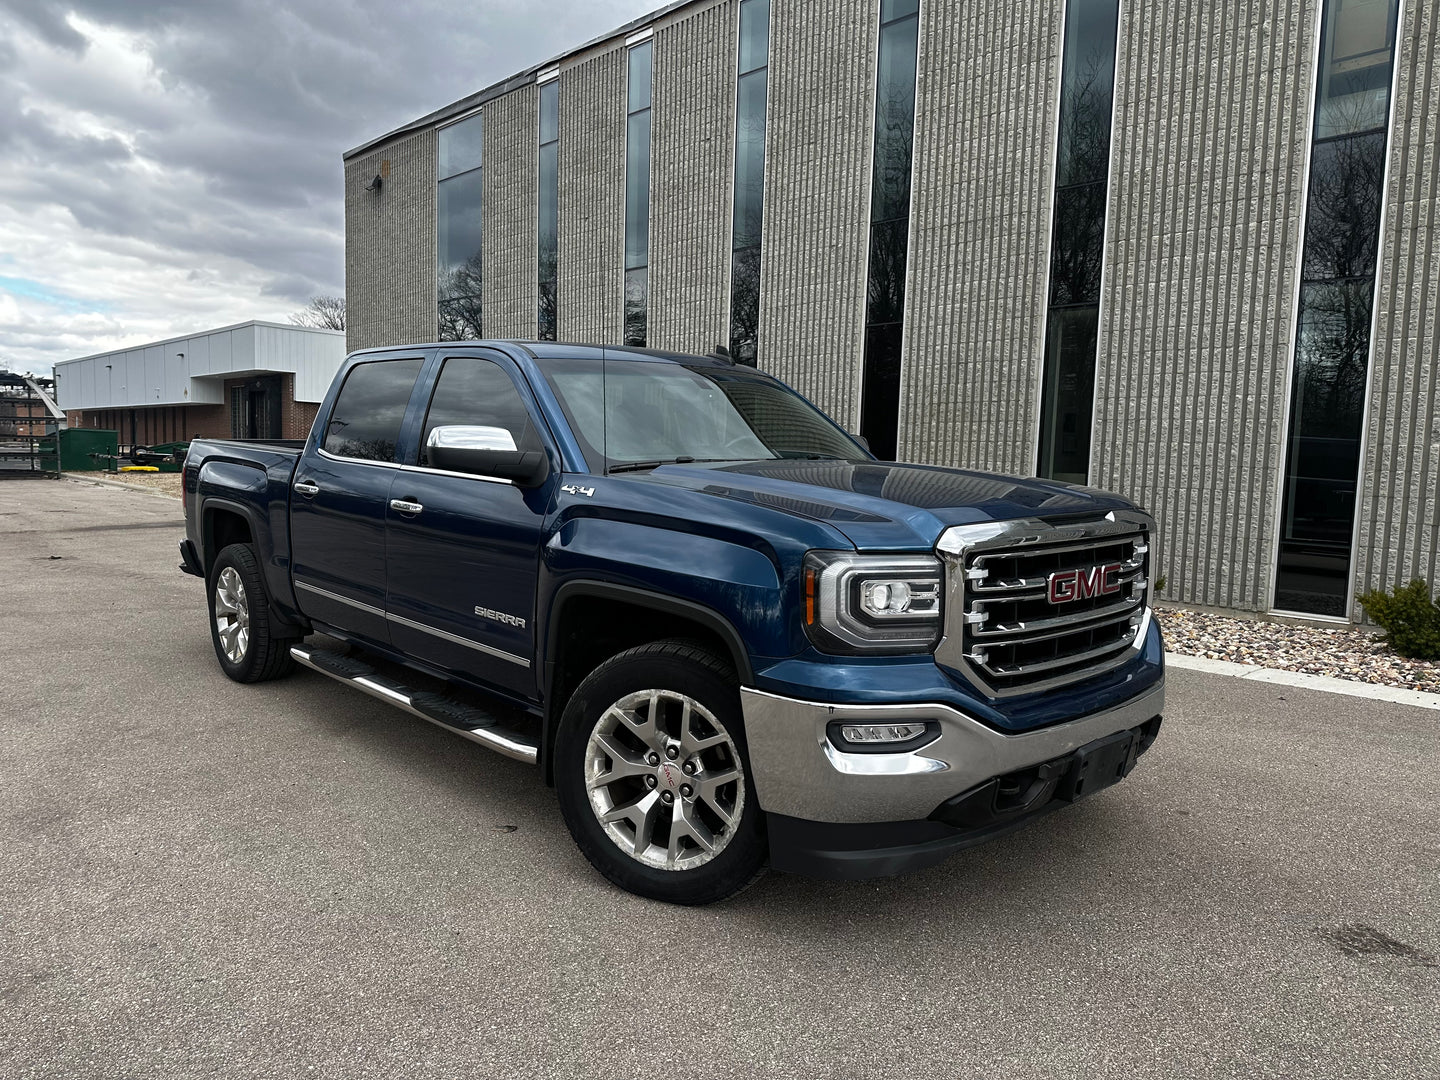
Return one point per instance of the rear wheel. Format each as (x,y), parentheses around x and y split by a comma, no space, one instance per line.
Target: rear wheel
(652,775)
(240,620)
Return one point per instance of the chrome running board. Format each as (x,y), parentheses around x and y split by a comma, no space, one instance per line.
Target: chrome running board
(467,721)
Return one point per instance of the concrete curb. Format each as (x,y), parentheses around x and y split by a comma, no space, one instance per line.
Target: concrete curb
(1328,683)
(121,484)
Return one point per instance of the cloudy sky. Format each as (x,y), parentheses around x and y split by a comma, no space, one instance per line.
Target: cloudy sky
(173,165)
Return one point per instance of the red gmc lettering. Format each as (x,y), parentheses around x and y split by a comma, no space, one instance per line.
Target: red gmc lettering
(1068,585)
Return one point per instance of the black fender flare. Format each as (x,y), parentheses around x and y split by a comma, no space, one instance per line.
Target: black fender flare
(215,502)
(252,518)
(707,617)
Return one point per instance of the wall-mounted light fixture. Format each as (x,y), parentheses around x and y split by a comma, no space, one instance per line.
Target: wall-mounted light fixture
(380,177)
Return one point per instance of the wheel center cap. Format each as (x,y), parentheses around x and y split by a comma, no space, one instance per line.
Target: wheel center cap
(668,776)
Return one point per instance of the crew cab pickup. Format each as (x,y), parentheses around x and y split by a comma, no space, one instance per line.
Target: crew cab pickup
(727,634)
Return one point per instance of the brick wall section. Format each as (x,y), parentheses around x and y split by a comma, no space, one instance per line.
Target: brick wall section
(1399,499)
(1208,167)
(510,203)
(295,416)
(179,423)
(592,200)
(691,174)
(390,245)
(162,424)
(980,226)
(817,198)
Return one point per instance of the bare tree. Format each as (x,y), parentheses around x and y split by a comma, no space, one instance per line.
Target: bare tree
(323,312)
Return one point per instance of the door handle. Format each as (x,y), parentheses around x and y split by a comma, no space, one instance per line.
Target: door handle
(405,506)
(308,488)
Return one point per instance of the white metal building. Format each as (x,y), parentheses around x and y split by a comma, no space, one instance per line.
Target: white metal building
(251,380)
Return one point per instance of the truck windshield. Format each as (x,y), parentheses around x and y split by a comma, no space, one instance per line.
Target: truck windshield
(629,412)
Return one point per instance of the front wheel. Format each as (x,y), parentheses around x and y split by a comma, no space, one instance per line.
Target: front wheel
(652,779)
(240,622)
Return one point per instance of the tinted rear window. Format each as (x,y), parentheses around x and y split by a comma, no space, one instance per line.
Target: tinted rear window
(370,409)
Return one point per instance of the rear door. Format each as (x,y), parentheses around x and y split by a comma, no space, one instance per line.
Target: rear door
(463,551)
(340,498)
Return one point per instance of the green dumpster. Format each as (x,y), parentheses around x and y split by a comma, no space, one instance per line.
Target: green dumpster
(75,445)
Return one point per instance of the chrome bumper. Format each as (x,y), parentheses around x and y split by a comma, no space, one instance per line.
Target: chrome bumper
(800,773)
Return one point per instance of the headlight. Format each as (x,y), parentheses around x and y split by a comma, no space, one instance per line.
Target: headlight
(872,603)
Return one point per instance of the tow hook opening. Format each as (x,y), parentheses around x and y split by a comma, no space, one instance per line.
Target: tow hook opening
(1081,772)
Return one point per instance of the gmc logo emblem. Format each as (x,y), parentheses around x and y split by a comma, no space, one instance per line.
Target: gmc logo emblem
(1068,585)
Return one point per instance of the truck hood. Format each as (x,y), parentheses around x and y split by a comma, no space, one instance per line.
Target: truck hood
(880,505)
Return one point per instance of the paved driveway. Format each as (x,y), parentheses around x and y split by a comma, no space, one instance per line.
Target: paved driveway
(292,880)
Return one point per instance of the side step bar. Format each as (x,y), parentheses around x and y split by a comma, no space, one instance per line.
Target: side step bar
(467,721)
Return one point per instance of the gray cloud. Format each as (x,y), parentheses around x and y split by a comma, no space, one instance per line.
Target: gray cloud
(197,144)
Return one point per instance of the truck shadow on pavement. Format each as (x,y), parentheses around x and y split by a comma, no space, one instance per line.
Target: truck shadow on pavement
(1070,854)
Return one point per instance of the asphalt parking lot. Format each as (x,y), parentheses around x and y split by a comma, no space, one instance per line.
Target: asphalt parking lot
(293,880)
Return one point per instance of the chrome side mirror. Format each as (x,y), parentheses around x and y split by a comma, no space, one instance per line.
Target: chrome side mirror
(470,437)
(485,451)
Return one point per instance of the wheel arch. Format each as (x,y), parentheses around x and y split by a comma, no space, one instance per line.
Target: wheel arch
(223,523)
(576,607)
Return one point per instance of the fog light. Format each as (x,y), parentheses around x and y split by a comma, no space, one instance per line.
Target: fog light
(880,733)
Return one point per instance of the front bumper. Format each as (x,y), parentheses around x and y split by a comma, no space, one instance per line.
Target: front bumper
(843,814)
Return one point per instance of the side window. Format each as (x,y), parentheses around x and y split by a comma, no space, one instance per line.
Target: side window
(478,393)
(365,422)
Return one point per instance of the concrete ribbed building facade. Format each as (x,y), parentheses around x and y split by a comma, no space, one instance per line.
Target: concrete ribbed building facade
(1178,338)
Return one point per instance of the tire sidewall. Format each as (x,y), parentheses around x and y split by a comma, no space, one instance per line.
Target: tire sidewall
(236,556)
(743,857)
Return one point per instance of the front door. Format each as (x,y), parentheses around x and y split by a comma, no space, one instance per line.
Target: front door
(463,551)
(340,497)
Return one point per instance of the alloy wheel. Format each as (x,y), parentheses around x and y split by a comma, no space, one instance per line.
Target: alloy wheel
(665,779)
(232,614)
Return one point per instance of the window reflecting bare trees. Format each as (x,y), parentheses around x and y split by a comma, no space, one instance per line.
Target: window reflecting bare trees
(749,200)
(1332,340)
(637,192)
(549,209)
(889,224)
(1077,245)
(459,302)
(460,230)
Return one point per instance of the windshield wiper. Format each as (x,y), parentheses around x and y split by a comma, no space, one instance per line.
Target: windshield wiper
(640,466)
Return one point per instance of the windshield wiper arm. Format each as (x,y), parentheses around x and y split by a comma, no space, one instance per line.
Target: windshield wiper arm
(640,466)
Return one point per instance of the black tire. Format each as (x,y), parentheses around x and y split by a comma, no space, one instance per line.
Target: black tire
(264,655)
(681,669)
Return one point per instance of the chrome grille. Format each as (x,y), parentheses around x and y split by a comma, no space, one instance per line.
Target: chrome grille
(1002,630)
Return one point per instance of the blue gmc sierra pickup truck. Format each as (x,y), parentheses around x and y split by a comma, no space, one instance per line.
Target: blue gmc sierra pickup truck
(726,633)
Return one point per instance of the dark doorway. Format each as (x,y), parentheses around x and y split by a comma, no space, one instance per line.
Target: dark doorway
(255,409)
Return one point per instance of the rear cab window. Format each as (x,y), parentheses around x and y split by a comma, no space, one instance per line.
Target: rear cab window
(370,409)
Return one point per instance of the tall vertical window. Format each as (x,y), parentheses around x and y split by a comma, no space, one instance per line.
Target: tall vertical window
(637,192)
(1337,286)
(749,179)
(1077,239)
(549,202)
(460,229)
(889,223)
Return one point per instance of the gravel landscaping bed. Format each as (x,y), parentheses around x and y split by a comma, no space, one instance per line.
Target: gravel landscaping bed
(166,483)
(1343,653)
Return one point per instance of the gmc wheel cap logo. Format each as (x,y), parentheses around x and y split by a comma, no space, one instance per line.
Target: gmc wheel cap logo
(1069,585)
